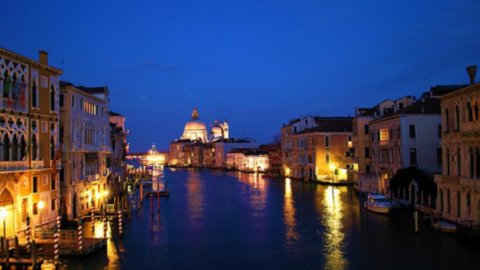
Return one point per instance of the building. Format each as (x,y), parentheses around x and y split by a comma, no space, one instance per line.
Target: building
(274,152)
(118,140)
(195,130)
(87,149)
(247,160)
(177,156)
(363,177)
(219,130)
(223,147)
(29,141)
(458,186)
(317,148)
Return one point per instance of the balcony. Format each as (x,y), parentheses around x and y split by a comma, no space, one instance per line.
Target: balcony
(21,165)
(444,179)
(470,182)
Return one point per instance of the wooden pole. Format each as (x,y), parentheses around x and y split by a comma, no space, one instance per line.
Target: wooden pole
(27,233)
(80,235)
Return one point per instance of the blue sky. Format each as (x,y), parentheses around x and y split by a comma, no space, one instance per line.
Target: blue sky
(255,63)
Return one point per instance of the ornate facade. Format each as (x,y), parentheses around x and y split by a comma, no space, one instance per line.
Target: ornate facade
(29,144)
(458,195)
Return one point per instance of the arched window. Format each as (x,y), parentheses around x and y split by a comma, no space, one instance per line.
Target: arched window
(34,147)
(457,118)
(34,94)
(469,112)
(447,160)
(23,146)
(52,98)
(52,148)
(15,148)
(6,148)
(477,162)
(459,204)
(7,85)
(448,201)
(472,162)
(459,162)
(447,120)
(441,200)
(475,111)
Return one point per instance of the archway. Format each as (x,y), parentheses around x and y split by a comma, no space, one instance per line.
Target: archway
(7,209)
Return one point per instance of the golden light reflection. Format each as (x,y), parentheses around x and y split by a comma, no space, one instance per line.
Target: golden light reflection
(112,255)
(289,213)
(258,196)
(333,236)
(195,197)
(99,230)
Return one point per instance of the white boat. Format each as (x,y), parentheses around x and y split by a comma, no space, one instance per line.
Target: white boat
(445,226)
(378,203)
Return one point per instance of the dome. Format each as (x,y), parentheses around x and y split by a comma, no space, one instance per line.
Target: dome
(195,130)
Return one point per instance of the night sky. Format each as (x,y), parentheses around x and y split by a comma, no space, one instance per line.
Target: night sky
(257,63)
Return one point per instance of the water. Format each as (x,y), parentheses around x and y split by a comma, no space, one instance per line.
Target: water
(217,220)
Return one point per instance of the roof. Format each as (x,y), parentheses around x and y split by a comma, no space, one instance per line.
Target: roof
(114,114)
(466,89)
(365,111)
(425,106)
(440,90)
(88,90)
(330,124)
(248,151)
(30,61)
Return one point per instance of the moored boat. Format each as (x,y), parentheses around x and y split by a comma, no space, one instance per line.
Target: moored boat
(445,226)
(378,203)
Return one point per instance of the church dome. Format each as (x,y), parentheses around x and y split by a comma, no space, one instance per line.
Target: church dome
(195,130)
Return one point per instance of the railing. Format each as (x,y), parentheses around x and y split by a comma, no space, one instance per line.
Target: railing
(13,165)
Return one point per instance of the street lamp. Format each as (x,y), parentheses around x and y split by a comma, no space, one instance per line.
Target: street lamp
(3,216)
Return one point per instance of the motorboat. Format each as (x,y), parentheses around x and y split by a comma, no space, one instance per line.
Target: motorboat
(378,203)
(445,226)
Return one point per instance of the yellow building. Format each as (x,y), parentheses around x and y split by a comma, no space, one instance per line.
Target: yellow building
(86,158)
(458,195)
(29,126)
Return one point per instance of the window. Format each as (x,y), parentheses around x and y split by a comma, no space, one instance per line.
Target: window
(457,118)
(366,129)
(459,208)
(52,183)
(469,112)
(367,168)
(73,101)
(349,138)
(53,204)
(367,152)
(439,131)
(447,121)
(459,163)
(447,159)
(52,98)
(52,148)
(35,209)
(384,134)
(327,141)
(35,184)
(61,100)
(327,158)
(34,95)
(413,156)
(412,131)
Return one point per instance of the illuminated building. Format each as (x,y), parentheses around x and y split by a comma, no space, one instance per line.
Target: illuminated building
(87,149)
(312,144)
(220,130)
(195,130)
(361,151)
(274,152)
(29,143)
(458,189)
(247,160)
(118,140)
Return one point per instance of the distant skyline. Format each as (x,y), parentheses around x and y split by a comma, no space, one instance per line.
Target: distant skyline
(257,64)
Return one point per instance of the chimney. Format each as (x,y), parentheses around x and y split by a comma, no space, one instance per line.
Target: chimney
(43,57)
(472,71)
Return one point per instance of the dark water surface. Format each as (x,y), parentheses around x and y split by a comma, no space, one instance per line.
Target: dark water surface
(218,220)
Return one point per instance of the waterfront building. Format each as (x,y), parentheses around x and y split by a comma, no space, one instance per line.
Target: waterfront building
(29,143)
(224,146)
(317,148)
(219,130)
(86,158)
(118,140)
(458,186)
(274,152)
(247,160)
(177,156)
(363,177)
(193,154)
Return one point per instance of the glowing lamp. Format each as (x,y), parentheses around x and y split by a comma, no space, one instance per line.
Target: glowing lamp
(332,167)
(41,205)
(3,213)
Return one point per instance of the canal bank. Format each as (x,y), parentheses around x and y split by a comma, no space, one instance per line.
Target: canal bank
(233,220)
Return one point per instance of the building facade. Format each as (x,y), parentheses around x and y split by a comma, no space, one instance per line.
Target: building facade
(118,140)
(29,143)
(363,177)
(247,160)
(86,158)
(458,186)
(317,148)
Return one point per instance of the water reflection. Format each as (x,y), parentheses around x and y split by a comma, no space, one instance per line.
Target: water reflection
(257,195)
(195,197)
(289,210)
(334,238)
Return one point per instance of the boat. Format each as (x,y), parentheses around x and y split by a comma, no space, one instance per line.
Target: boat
(378,203)
(445,226)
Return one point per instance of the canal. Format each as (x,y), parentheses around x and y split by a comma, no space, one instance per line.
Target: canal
(232,220)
